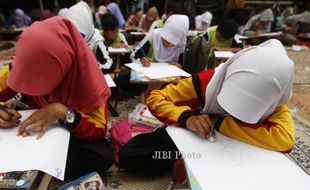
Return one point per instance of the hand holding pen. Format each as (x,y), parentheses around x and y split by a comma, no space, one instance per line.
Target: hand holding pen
(8,117)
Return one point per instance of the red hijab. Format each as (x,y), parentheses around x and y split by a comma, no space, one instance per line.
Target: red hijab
(54,64)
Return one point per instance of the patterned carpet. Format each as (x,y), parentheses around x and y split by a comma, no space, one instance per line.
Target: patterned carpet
(118,180)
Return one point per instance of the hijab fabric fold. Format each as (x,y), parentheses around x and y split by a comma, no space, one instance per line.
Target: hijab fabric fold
(251,84)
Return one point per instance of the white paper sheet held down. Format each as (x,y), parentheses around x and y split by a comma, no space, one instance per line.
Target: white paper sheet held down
(109,80)
(49,154)
(158,70)
(231,164)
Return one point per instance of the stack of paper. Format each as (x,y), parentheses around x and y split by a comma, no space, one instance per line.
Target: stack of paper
(158,70)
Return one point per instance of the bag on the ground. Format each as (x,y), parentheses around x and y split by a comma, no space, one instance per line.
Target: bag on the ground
(198,55)
(122,132)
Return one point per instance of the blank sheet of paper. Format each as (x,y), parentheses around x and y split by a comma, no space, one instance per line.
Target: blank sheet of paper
(223,54)
(231,164)
(158,70)
(109,80)
(49,154)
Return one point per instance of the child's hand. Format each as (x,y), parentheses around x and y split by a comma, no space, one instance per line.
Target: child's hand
(42,119)
(9,118)
(119,45)
(176,64)
(203,125)
(146,61)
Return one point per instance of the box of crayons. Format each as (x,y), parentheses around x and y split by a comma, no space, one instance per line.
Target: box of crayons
(142,115)
(17,180)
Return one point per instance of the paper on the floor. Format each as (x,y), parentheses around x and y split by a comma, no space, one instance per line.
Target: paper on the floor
(230,164)
(158,70)
(49,154)
(109,80)
(223,54)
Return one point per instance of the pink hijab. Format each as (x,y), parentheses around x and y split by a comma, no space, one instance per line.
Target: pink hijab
(57,66)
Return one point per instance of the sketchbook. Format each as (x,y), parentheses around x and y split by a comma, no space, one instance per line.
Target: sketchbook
(49,154)
(231,164)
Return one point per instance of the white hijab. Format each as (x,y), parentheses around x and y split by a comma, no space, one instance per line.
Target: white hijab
(174,31)
(251,84)
(205,17)
(63,12)
(80,15)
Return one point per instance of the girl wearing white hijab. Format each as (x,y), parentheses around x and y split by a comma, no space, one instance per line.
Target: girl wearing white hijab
(260,23)
(202,22)
(80,15)
(164,44)
(101,11)
(244,98)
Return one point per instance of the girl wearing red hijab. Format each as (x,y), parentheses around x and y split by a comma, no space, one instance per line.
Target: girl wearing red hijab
(58,73)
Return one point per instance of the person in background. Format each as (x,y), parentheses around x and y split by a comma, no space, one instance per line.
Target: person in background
(203,22)
(164,44)
(296,27)
(172,8)
(63,12)
(259,24)
(221,37)
(2,20)
(46,14)
(110,31)
(244,98)
(137,4)
(288,11)
(61,79)
(134,20)
(115,10)
(80,15)
(148,19)
(18,20)
(100,11)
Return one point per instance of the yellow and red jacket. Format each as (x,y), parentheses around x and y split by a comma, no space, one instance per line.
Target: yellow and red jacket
(175,103)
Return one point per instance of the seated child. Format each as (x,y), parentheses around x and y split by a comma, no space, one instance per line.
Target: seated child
(259,24)
(112,36)
(244,98)
(203,22)
(164,44)
(221,37)
(61,79)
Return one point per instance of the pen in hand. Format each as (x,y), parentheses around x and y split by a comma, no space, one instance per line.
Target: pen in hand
(8,117)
